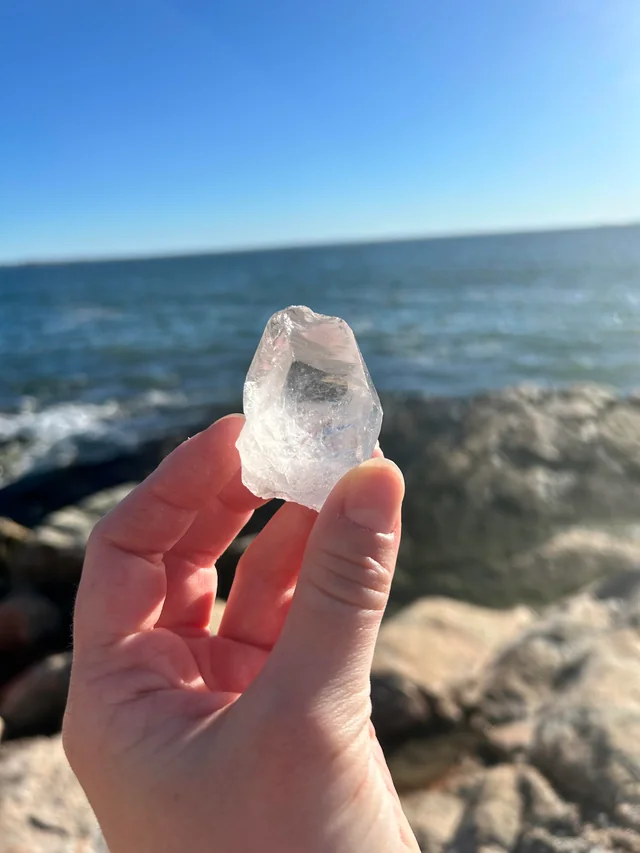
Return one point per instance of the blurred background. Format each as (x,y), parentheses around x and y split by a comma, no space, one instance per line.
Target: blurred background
(461,182)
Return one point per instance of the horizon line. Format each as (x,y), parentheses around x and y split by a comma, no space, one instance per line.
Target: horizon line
(317,244)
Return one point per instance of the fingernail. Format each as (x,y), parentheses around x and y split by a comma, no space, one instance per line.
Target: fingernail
(374,496)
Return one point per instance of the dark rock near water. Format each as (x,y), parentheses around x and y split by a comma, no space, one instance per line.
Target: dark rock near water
(520,495)
(494,481)
(31,499)
(35,496)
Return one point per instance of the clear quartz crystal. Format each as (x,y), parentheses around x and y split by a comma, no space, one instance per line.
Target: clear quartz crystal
(312,412)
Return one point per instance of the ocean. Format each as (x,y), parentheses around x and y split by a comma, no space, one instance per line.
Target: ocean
(103,355)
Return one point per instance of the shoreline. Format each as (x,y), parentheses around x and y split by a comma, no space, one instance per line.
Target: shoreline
(28,498)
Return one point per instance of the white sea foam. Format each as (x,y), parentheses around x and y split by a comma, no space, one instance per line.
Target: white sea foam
(34,439)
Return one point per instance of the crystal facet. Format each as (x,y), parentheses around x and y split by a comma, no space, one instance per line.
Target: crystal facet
(312,412)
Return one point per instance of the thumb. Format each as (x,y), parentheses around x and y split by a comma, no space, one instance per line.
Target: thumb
(328,639)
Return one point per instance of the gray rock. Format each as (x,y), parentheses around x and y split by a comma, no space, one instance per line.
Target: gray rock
(506,809)
(493,817)
(422,762)
(503,808)
(54,551)
(543,807)
(494,481)
(434,817)
(560,702)
(426,651)
(42,806)
(557,656)
(591,840)
(592,754)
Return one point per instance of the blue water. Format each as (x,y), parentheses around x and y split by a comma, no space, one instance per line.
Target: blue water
(95,354)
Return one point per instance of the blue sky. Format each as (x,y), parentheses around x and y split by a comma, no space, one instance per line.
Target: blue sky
(152,126)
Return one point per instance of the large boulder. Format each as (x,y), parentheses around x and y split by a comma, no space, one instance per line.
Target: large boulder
(495,481)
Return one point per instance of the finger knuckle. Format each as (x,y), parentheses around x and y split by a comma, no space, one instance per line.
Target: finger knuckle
(353,580)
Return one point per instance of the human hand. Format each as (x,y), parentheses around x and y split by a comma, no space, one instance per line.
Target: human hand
(257,740)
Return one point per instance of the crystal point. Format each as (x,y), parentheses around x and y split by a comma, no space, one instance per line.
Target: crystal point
(312,412)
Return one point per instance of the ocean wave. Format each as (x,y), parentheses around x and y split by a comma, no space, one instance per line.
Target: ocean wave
(33,438)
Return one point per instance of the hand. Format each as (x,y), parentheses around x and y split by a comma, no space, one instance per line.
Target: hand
(257,740)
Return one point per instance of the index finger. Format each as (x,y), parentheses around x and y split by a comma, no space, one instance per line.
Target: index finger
(123,585)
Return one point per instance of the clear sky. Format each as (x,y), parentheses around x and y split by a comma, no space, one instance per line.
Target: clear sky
(152,126)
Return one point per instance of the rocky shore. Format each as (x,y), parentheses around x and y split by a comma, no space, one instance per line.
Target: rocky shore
(506,689)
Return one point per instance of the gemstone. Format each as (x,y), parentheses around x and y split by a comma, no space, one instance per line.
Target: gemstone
(312,411)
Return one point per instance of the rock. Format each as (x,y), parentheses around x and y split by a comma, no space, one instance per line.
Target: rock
(32,498)
(423,762)
(434,817)
(558,706)
(399,706)
(553,564)
(494,480)
(493,818)
(426,651)
(69,528)
(25,619)
(592,755)
(439,641)
(11,536)
(543,807)
(54,551)
(574,676)
(506,809)
(34,701)
(526,674)
(511,741)
(591,840)
(42,806)
(551,656)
